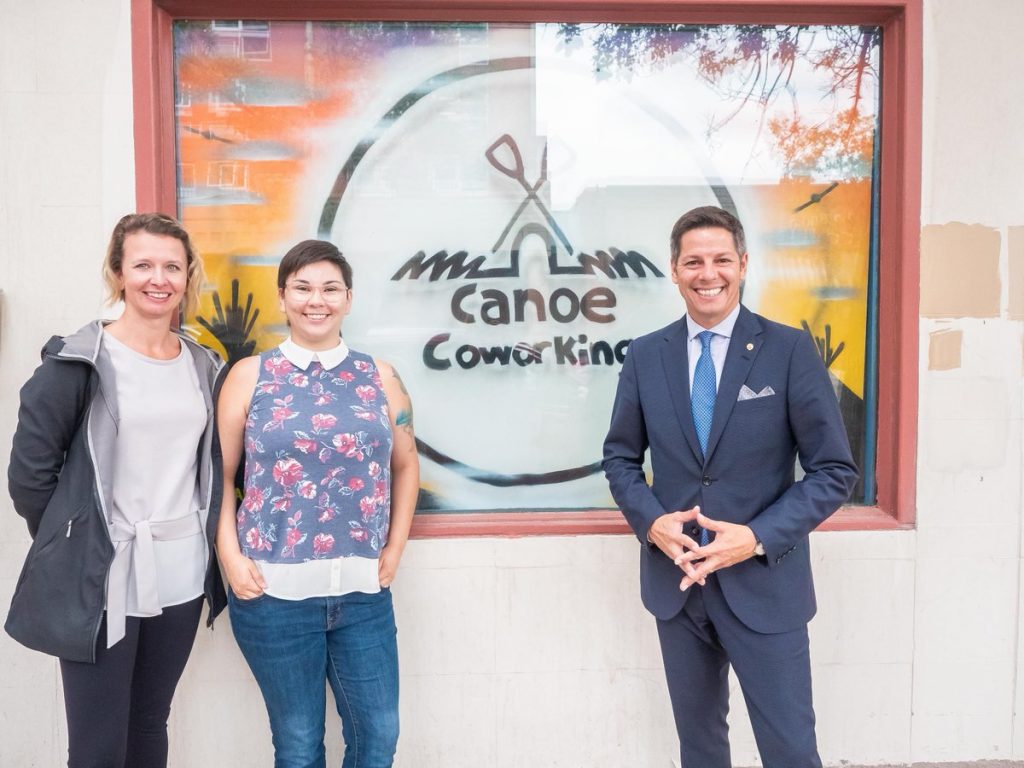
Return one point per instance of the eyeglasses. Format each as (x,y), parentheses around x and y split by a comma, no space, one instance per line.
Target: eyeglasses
(330,293)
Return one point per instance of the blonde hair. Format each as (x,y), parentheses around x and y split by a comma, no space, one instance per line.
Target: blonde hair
(154,224)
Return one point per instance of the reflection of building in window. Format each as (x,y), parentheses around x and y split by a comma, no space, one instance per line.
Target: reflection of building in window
(187,180)
(457,173)
(463,171)
(445,172)
(221,104)
(472,43)
(375,183)
(243,39)
(228,175)
(217,132)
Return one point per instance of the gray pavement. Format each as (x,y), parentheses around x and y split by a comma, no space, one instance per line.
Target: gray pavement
(975,764)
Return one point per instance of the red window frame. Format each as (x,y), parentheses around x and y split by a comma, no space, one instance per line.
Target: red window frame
(900,194)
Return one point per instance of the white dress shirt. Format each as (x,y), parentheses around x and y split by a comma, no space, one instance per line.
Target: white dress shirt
(719,343)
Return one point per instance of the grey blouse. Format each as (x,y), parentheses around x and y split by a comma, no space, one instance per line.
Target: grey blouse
(155,519)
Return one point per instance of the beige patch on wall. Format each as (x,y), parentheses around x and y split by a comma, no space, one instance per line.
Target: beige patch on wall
(959,271)
(944,349)
(1015,250)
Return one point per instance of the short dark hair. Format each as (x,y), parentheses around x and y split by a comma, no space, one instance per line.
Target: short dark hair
(155,224)
(310,252)
(703,218)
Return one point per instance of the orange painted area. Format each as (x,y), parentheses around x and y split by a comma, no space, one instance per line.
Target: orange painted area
(258,215)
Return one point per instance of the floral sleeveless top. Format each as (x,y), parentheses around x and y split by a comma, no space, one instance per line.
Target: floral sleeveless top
(317,462)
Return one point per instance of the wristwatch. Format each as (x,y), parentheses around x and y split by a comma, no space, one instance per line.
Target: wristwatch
(759,548)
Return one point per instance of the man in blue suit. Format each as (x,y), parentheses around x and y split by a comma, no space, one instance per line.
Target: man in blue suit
(727,401)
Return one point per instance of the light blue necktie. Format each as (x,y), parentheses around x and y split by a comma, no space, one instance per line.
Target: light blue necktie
(702,399)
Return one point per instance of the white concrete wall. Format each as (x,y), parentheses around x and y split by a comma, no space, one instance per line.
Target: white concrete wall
(536,652)
(967,588)
(66,175)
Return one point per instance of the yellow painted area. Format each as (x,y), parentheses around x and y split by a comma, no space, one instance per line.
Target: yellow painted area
(820,274)
(261,281)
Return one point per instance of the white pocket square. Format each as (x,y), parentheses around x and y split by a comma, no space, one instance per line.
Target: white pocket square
(746,393)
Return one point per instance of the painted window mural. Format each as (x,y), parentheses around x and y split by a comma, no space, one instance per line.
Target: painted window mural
(505,194)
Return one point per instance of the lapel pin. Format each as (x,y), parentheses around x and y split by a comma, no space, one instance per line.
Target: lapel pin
(750,346)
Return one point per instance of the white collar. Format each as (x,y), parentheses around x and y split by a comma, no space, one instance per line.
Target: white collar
(301,357)
(724,328)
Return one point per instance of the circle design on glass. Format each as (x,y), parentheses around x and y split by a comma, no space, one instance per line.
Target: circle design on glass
(516,171)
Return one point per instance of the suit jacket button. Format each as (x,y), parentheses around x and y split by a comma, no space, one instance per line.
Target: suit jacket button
(705,480)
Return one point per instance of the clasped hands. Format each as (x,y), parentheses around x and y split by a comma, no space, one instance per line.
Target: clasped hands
(732,544)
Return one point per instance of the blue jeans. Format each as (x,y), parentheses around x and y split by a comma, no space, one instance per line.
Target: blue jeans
(292,646)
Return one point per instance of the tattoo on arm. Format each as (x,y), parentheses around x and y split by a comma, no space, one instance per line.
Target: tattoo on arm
(401,383)
(404,418)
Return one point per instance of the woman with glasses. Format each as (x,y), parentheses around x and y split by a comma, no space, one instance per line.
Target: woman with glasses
(112,468)
(331,480)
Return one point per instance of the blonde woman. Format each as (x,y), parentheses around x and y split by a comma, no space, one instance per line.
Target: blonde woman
(113,469)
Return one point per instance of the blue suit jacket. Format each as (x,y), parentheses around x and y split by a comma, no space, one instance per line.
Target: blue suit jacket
(748,475)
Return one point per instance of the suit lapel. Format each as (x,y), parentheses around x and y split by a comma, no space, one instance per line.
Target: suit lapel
(675,359)
(744,344)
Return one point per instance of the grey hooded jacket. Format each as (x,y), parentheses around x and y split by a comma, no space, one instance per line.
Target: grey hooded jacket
(60,479)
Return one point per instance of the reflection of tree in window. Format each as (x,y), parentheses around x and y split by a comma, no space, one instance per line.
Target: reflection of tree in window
(755,66)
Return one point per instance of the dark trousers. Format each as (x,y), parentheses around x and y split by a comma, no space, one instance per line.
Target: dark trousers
(117,708)
(774,672)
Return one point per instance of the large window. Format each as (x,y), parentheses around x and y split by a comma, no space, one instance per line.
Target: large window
(505,192)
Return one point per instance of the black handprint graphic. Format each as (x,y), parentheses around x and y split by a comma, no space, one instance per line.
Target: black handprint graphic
(824,345)
(232,326)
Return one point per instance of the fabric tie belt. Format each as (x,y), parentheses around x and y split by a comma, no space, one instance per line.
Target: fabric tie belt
(134,553)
